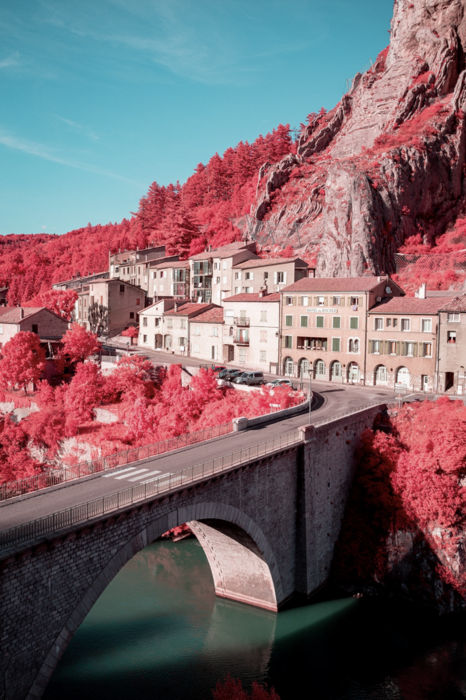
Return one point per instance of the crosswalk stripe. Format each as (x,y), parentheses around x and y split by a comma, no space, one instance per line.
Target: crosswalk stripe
(125,476)
(156,478)
(144,475)
(120,471)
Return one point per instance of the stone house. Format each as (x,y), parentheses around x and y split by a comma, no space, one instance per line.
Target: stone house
(251,330)
(211,272)
(119,303)
(323,325)
(206,335)
(402,343)
(451,358)
(250,276)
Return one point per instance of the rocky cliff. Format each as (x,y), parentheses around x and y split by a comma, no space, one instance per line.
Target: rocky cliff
(388,162)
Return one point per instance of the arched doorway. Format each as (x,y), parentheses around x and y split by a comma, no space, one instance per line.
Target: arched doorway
(335,371)
(319,369)
(168,342)
(303,366)
(288,367)
(353,373)
(402,376)
(158,341)
(380,375)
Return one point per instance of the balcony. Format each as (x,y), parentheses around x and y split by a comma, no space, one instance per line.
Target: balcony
(314,344)
(241,341)
(241,321)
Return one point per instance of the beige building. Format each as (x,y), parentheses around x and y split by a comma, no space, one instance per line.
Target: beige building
(45,323)
(211,272)
(152,328)
(206,335)
(109,305)
(166,325)
(402,342)
(251,330)
(324,324)
(168,278)
(250,276)
(132,265)
(451,359)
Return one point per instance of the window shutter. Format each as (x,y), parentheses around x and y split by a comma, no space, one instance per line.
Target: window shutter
(359,301)
(295,301)
(275,277)
(283,341)
(371,347)
(414,349)
(385,347)
(284,277)
(316,301)
(397,347)
(325,301)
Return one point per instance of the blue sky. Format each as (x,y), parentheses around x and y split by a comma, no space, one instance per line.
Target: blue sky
(102,97)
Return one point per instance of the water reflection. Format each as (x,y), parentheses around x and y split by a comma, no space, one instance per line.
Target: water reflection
(158,631)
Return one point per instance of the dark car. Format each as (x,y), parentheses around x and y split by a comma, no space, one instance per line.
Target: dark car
(229,374)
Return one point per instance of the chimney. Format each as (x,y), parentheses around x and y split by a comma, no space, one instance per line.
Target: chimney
(422,291)
(21,312)
(263,291)
(176,307)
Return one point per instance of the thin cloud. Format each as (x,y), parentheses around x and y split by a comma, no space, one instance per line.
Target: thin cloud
(79,129)
(11,60)
(40,151)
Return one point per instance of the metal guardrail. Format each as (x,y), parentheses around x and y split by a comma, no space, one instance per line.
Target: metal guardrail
(117,459)
(343,414)
(84,512)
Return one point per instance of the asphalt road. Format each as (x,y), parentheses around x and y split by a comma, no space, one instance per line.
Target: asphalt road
(331,400)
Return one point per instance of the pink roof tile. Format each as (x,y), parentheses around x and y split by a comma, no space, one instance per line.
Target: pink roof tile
(335,284)
(211,316)
(409,305)
(254,297)
(264,262)
(458,303)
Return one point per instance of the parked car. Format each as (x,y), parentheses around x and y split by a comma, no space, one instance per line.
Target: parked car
(217,368)
(250,378)
(281,382)
(229,374)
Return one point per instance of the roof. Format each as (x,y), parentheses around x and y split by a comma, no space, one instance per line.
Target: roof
(223,252)
(337,284)
(12,314)
(173,263)
(169,301)
(409,305)
(116,280)
(458,303)
(254,297)
(211,316)
(188,309)
(264,262)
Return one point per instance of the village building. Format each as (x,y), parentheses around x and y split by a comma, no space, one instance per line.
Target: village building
(323,325)
(251,330)
(206,334)
(211,272)
(250,276)
(402,343)
(77,282)
(168,278)
(132,265)
(152,327)
(451,358)
(177,323)
(109,306)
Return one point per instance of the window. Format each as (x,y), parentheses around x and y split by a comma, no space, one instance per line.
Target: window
(225,265)
(319,321)
(391,347)
(1,329)
(122,288)
(215,331)
(354,301)
(320,301)
(249,290)
(163,273)
(197,330)
(196,348)
(264,316)
(288,320)
(336,322)
(181,342)
(217,280)
(353,345)
(266,275)
(263,336)
(354,322)
(395,323)
(378,324)
(288,342)
(154,276)
(305,301)
(389,325)
(237,275)
(426,349)
(280,277)
(35,328)
(169,323)
(451,337)
(182,323)
(144,338)
(131,314)
(242,354)
(405,324)
(452,318)
(144,320)
(376,347)
(157,321)
(335,344)
(237,290)
(225,279)
(214,353)
(289,301)
(426,325)
(304,321)
(337,301)
(409,349)
(263,356)
(229,313)
(249,276)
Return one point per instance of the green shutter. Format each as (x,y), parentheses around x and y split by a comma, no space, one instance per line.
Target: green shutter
(336,322)
(414,349)
(397,347)
(325,301)
(371,347)
(319,321)
(385,347)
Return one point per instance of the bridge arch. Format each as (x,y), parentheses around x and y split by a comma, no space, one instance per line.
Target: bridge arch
(228,537)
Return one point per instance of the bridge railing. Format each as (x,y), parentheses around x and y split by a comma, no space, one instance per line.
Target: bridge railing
(344,414)
(113,502)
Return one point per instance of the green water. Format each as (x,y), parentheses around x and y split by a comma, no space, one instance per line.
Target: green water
(158,631)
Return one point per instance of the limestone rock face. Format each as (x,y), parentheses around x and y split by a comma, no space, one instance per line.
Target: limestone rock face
(388,161)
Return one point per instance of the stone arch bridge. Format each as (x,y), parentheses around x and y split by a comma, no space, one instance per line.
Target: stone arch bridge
(268,528)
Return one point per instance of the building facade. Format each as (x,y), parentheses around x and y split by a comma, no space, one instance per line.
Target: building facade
(324,323)
(132,265)
(451,359)
(168,278)
(109,305)
(211,272)
(206,335)
(250,276)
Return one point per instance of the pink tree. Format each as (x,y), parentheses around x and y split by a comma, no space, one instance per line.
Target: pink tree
(79,344)
(23,361)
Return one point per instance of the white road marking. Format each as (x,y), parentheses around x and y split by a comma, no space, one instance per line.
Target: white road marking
(156,478)
(120,471)
(144,475)
(125,476)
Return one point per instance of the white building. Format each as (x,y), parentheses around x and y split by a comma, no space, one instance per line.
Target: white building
(251,330)
(211,272)
(206,335)
(250,276)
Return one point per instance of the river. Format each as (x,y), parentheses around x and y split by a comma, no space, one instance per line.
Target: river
(159,632)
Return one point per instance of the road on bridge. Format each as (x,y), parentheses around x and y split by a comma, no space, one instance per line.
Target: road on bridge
(331,399)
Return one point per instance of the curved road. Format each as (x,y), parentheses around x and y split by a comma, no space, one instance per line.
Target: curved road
(331,399)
